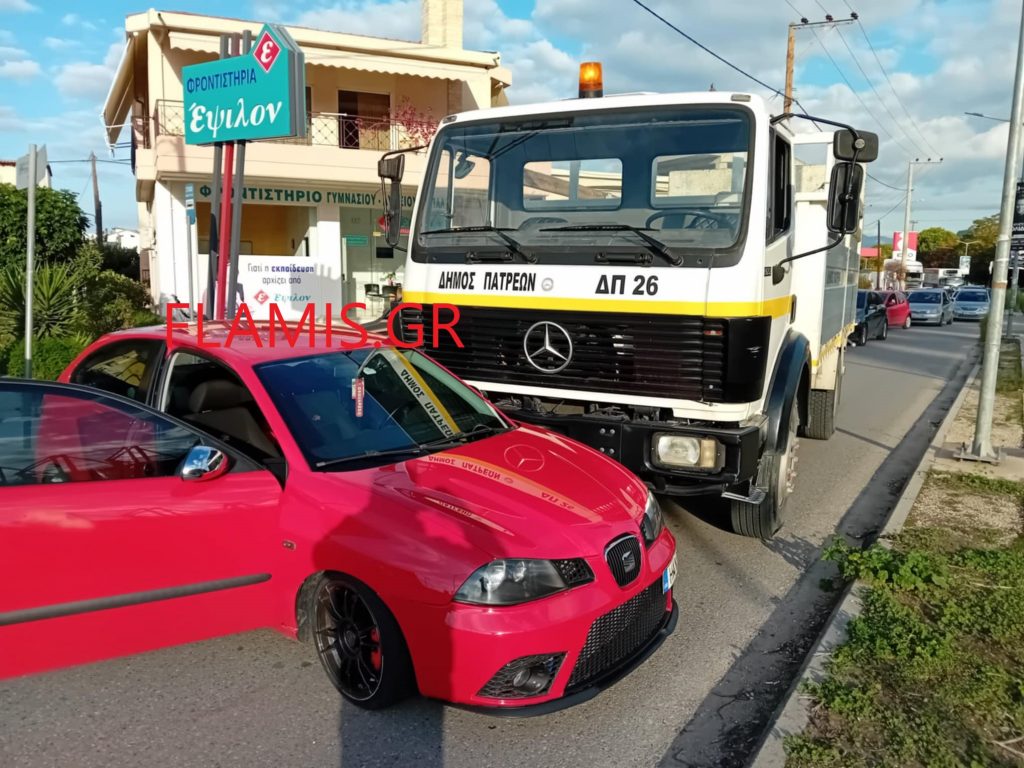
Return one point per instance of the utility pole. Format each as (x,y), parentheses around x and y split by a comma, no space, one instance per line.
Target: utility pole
(906,211)
(30,258)
(982,450)
(97,205)
(804,23)
(878,256)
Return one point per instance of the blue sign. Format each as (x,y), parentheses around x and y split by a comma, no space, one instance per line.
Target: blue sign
(259,95)
(190,203)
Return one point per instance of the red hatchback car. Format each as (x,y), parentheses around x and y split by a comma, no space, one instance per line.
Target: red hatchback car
(364,500)
(897,308)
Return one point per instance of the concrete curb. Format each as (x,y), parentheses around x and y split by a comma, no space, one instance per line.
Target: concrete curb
(791,716)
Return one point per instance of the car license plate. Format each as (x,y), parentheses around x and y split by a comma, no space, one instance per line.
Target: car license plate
(668,578)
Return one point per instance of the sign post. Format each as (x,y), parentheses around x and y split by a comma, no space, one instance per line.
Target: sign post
(1016,246)
(258,94)
(28,173)
(190,218)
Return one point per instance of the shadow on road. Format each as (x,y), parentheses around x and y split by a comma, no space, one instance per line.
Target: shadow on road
(730,723)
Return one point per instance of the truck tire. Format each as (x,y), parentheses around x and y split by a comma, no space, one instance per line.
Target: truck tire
(775,475)
(822,405)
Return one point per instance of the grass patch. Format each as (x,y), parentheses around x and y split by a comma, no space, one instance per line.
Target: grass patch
(933,671)
(1008,376)
(989,486)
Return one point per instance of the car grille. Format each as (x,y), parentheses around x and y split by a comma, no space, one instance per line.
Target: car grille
(623,556)
(619,634)
(675,356)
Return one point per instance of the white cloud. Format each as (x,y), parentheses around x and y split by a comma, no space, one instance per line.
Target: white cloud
(59,43)
(19,70)
(85,80)
(74,20)
(12,54)
(18,6)
(396,19)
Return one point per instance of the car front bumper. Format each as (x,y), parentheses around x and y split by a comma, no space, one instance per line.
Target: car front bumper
(606,629)
(921,317)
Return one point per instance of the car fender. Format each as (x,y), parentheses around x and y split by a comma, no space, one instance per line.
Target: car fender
(790,377)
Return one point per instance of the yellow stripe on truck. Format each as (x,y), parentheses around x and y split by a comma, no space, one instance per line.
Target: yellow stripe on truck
(778,307)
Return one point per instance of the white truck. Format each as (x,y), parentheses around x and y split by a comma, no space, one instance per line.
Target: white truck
(667,278)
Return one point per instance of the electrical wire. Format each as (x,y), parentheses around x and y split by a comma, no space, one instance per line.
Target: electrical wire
(859,97)
(873,223)
(884,184)
(881,101)
(899,101)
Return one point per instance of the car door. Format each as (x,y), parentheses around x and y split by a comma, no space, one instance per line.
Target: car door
(108,548)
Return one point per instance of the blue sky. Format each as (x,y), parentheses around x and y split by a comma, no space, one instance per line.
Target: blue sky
(941,57)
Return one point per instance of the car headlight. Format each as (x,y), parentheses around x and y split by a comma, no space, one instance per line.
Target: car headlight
(509,582)
(654,521)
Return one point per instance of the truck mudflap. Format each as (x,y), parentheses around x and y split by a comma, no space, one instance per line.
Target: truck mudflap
(630,443)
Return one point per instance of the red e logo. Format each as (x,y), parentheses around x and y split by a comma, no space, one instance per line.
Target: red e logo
(266,52)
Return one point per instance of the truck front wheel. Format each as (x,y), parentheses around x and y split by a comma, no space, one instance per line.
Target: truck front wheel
(775,476)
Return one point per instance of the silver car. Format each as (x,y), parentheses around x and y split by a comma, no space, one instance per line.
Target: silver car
(931,305)
(971,303)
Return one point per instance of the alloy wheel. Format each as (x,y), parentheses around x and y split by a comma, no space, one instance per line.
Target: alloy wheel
(348,641)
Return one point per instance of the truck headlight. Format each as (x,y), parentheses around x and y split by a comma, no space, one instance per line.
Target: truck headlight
(654,521)
(508,582)
(683,451)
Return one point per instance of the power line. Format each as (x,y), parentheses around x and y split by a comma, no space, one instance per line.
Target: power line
(899,101)
(859,98)
(873,223)
(884,184)
(877,96)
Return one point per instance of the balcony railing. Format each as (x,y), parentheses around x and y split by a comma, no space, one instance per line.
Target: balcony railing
(328,129)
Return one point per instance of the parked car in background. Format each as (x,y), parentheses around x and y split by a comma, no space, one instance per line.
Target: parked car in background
(971,303)
(932,305)
(363,499)
(897,308)
(872,319)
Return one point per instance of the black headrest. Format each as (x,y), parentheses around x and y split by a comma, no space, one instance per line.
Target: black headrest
(217,394)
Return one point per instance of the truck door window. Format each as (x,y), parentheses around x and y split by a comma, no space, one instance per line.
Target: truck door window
(780,195)
(462,193)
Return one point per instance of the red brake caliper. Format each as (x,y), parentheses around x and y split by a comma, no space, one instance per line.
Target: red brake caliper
(375,653)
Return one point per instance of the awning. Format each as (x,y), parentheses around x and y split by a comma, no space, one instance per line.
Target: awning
(119,98)
(346,59)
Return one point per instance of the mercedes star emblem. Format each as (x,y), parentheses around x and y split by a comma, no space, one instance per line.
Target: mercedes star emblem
(548,347)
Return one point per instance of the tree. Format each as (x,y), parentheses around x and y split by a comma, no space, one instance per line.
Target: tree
(936,247)
(984,233)
(60,225)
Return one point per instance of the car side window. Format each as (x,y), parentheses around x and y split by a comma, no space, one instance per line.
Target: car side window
(58,434)
(124,368)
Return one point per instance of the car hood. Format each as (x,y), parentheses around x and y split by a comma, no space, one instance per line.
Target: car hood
(972,305)
(924,306)
(523,493)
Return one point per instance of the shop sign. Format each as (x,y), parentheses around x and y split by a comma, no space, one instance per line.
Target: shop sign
(307,196)
(259,95)
(356,241)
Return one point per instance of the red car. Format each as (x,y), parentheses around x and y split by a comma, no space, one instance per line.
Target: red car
(364,500)
(897,308)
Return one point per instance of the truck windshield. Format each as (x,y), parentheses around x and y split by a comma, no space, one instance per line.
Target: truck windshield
(667,181)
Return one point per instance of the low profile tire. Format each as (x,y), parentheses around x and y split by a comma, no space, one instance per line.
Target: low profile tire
(906,323)
(883,333)
(775,475)
(359,643)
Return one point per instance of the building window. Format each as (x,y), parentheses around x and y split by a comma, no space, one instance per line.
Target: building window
(364,120)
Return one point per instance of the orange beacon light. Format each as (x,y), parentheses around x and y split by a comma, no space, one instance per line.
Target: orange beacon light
(591,81)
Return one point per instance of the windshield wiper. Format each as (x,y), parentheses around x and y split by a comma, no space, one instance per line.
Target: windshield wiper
(654,245)
(412,450)
(501,232)
(480,430)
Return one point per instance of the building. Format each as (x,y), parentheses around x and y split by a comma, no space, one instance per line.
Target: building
(315,199)
(9,174)
(125,238)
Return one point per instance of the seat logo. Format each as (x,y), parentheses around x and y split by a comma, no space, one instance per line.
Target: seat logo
(548,347)
(628,562)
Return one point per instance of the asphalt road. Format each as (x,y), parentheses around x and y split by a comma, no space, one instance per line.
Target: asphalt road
(748,610)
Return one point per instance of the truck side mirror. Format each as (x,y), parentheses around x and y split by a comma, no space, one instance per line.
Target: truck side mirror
(844,145)
(844,198)
(391,169)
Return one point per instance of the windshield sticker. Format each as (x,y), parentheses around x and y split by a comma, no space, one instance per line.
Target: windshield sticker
(420,390)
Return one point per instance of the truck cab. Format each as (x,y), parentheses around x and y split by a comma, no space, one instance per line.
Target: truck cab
(668,278)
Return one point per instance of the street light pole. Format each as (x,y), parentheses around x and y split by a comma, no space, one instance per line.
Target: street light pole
(982,450)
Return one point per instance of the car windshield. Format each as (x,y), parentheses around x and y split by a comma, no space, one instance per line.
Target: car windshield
(925,297)
(560,189)
(979,296)
(342,407)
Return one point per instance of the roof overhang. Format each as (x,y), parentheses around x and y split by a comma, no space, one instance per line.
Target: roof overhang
(119,98)
(363,61)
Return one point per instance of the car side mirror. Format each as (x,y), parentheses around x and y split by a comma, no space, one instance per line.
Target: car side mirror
(863,148)
(391,170)
(204,462)
(844,211)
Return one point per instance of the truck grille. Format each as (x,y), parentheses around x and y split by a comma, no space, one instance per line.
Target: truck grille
(620,633)
(672,356)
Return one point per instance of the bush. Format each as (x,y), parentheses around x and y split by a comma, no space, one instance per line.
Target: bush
(53,306)
(5,355)
(109,302)
(50,356)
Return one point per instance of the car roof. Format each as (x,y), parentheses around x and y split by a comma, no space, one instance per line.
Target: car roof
(241,347)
